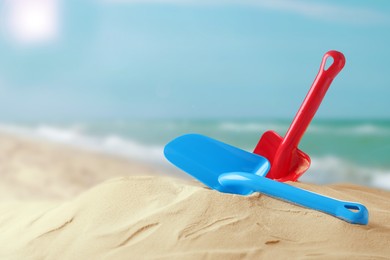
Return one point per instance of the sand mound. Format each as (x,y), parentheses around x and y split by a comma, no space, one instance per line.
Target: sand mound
(156,217)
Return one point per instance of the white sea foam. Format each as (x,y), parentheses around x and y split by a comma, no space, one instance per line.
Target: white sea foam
(331,169)
(65,135)
(74,136)
(382,181)
(125,147)
(362,129)
(252,127)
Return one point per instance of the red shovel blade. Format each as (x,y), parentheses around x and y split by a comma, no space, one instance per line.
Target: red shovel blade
(268,145)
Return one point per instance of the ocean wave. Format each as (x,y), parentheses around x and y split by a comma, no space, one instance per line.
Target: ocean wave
(75,136)
(331,169)
(251,127)
(64,135)
(382,181)
(129,148)
(281,128)
(363,129)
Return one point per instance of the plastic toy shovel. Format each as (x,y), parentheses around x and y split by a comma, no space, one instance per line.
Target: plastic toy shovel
(231,170)
(288,163)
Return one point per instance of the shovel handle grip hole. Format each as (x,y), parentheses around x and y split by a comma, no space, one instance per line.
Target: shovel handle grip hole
(353,208)
(332,63)
(328,62)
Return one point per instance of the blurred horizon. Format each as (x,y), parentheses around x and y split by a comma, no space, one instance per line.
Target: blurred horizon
(164,59)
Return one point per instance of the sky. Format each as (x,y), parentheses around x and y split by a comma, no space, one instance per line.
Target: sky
(125,59)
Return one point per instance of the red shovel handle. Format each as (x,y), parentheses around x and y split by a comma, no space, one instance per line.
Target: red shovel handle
(284,154)
(313,99)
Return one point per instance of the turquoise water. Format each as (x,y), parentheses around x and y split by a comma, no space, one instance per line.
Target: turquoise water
(356,151)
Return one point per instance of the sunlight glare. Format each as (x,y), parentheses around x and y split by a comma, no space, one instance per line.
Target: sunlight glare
(32,21)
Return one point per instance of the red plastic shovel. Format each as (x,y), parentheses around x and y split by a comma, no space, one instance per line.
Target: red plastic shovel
(288,163)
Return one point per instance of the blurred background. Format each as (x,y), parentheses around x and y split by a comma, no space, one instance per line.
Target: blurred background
(126,76)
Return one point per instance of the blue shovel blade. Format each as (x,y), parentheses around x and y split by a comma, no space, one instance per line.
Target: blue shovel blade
(206,159)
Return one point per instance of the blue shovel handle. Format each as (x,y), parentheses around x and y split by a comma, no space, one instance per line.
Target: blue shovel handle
(351,212)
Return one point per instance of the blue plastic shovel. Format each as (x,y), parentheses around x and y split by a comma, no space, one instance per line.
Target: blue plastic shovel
(232,170)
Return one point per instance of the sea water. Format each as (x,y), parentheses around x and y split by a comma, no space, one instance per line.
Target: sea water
(354,151)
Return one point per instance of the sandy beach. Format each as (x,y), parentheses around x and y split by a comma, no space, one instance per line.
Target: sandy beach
(58,202)
(33,169)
